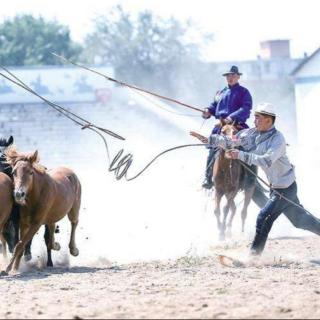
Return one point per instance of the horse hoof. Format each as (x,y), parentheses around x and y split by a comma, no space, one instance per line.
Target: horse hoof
(56,246)
(4,273)
(74,252)
(27,257)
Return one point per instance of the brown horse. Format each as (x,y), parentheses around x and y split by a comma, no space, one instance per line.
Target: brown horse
(6,203)
(45,198)
(227,177)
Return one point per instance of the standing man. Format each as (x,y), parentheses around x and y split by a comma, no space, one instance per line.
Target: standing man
(265,146)
(231,105)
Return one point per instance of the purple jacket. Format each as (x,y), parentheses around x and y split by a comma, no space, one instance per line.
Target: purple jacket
(234,102)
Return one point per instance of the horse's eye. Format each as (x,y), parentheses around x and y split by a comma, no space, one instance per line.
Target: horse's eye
(31,173)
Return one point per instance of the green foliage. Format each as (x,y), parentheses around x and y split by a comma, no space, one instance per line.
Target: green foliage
(144,50)
(25,40)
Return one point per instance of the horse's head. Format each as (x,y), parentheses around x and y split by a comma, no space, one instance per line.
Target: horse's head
(229,130)
(23,168)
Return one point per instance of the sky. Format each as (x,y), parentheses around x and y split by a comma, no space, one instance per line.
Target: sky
(238,26)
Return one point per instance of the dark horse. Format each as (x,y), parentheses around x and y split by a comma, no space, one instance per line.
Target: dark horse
(45,198)
(229,178)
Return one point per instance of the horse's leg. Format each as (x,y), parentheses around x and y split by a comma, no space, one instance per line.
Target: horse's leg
(226,209)
(3,242)
(217,211)
(73,216)
(27,251)
(27,234)
(233,212)
(16,222)
(11,228)
(53,245)
(48,241)
(248,193)
(9,234)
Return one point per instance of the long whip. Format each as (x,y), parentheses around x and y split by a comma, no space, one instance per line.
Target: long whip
(128,85)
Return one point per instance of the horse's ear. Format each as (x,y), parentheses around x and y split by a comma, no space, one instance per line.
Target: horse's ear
(10,141)
(34,157)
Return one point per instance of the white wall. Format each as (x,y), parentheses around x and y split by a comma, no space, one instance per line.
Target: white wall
(308,113)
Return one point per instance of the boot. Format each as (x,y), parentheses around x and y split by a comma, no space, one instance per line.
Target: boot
(257,245)
(207,184)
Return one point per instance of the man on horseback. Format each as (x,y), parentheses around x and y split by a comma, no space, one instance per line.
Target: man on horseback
(231,105)
(265,146)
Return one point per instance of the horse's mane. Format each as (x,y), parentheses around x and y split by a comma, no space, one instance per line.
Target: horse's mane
(13,156)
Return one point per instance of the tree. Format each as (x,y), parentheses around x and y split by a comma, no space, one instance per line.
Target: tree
(146,50)
(25,40)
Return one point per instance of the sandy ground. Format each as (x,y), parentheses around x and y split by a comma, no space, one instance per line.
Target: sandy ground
(284,283)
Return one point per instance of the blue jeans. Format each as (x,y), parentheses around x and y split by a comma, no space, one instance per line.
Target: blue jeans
(210,163)
(272,210)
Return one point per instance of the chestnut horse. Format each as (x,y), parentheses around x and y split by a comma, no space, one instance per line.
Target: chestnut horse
(228,176)
(6,202)
(11,229)
(45,197)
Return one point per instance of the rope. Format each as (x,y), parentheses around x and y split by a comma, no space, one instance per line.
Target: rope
(119,165)
(128,85)
(85,124)
(274,190)
(124,163)
(161,107)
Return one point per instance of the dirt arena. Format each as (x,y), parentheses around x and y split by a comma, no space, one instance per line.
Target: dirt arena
(284,283)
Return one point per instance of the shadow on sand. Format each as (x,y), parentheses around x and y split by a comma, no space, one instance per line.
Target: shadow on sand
(47,272)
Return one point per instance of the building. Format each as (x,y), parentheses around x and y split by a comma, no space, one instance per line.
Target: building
(307,95)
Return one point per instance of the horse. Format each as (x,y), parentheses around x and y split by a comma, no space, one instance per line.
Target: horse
(6,201)
(45,197)
(11,228)
(228,177)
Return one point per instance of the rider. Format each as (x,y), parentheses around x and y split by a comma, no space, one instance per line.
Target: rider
(231,105)
(265,146)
